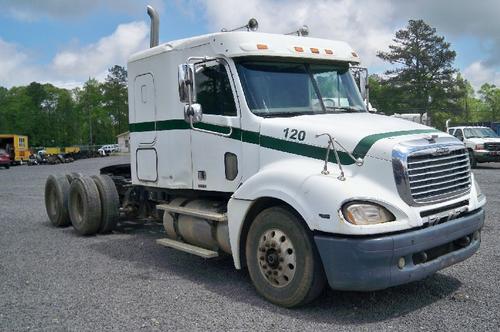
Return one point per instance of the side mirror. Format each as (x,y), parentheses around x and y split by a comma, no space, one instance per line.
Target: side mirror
(361,77)
(363,87)
(187,93)
(193,113)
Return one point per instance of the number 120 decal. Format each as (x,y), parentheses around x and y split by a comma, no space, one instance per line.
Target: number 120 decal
(295,134)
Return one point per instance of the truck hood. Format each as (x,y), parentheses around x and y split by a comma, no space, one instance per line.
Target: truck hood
(363,134)
(482,140)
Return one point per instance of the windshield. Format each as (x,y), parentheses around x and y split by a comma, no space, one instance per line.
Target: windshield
(479,133)
(291,88)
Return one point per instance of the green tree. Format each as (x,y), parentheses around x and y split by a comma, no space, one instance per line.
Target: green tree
(115,98)
(490,95)
(424,66)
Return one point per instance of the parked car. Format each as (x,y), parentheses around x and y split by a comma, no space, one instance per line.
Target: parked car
(4,158)
(482,143)
(106,150)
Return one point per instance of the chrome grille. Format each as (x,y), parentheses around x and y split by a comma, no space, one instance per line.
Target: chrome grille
(432,174)
(492,146)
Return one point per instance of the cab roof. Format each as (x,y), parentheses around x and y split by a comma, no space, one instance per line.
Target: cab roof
(243,43)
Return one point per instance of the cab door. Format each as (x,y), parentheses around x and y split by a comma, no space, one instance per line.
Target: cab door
(216,140)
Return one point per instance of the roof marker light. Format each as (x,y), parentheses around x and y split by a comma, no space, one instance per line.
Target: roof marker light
(298,49)
(314,50)
(354,54)
(262,47)
(327,51)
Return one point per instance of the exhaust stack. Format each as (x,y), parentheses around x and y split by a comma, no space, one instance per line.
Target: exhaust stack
(154,35)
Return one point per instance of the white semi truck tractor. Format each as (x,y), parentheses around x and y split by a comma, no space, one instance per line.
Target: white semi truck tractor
(260,146)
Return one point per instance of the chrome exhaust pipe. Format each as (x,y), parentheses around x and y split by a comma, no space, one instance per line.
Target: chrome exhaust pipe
(154,35)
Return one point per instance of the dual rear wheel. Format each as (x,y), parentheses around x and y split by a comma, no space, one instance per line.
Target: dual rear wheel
(90,204)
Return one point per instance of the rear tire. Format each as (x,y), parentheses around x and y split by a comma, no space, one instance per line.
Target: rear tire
(56,200)
(72,176)
(110,202)
(282,259)
(84,206)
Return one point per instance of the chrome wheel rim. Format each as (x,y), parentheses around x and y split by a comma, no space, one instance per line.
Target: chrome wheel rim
(276,257)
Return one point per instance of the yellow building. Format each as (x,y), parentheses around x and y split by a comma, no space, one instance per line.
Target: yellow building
(16,146)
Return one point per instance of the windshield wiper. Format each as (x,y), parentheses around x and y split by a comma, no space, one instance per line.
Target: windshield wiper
(283,114)
(346,109)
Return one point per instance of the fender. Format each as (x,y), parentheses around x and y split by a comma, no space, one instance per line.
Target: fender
(276,180)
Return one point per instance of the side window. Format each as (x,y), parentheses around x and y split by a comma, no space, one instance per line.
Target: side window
(450,131)
(458,134)
(213,91)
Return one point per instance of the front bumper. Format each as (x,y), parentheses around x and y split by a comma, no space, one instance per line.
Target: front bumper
(366,264)
(487,156)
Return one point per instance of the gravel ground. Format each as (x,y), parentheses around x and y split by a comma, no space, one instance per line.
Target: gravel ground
(54,280)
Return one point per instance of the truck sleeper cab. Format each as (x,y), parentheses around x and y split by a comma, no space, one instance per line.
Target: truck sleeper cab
(260,146)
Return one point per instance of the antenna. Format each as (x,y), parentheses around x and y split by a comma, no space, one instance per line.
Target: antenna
(303,31)
(252,25)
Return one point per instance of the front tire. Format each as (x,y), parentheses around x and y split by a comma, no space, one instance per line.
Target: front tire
(472,159)
(282,259)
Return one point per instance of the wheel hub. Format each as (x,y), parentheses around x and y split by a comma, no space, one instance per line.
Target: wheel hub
(276,256)
(272,258)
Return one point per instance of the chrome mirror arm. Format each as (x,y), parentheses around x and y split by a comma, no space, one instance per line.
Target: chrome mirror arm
(331,142)
(331,145)
(358,161)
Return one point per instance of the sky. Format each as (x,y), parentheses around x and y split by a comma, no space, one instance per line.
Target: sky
(65,42)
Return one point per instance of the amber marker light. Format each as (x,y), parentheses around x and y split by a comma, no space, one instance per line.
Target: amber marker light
(298,49)
(329,52)
(354,54)
(261,46)
(314,50)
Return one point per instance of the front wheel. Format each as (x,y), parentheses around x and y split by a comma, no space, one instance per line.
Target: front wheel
(282,260)
(472,159)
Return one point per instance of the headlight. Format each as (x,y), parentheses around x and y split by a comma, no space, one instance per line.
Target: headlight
(366,213)
(479,193)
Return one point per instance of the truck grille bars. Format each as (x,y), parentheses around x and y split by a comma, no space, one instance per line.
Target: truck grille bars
(492,146)
(426,175)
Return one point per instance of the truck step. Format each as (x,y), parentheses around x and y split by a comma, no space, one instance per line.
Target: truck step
(186,247)
(210,215)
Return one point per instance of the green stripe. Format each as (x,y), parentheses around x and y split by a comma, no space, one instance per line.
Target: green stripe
(172,124)
(301,149)
(305,150)
(141,126)
(362,148)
